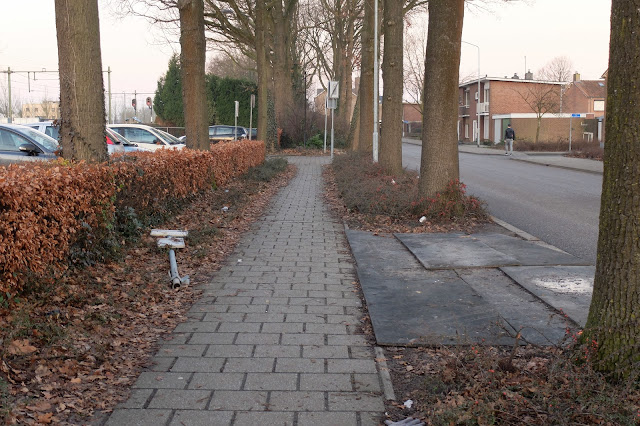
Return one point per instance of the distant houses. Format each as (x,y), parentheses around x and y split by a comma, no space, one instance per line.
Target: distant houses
(524,103)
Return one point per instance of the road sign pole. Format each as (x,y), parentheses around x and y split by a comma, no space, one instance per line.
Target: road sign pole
(326,99)
(570,128)
(332,134)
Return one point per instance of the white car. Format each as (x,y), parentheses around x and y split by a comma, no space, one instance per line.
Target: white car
(147,137)
(52,128)
(49,128)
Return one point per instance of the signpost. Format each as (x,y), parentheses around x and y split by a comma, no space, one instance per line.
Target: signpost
(332,103)
(252,105)
(235,124)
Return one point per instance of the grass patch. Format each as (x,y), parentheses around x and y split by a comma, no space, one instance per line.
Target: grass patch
(267,170)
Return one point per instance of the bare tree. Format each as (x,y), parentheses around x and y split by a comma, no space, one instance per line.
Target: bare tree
(233,65)
(16,102)
(542,98)
(559,68)
(333,33)
(415,47)
(81,87)
(439,160)
(613,316)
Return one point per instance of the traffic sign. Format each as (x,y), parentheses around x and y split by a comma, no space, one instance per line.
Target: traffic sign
(576,115)
(334,90)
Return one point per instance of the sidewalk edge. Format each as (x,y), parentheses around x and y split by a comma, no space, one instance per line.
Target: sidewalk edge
(525,235)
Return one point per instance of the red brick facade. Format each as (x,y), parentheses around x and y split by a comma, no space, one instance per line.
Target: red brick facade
(501,101)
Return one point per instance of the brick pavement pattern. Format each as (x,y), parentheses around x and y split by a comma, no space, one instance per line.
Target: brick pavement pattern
(272,340)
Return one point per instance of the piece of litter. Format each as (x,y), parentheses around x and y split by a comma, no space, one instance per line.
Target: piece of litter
(393,182)
(239,260)
(226,190)
(423,219)
(225,208)
(408,403)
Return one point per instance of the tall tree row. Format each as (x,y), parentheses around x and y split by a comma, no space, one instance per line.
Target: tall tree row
(81,86)
(365,92)
(613,322)
(439,160)
(392,72)
(192,61)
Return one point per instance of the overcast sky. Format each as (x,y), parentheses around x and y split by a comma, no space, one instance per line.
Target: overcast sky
(138,54)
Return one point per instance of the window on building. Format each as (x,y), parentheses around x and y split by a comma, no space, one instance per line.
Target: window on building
(486,95)
(466,131)
(466,98)
(598,105)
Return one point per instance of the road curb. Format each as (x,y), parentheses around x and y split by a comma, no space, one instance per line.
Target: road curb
(525,235)
(577,169)
(383,369)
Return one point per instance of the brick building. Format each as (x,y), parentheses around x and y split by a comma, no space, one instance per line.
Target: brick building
(501,101)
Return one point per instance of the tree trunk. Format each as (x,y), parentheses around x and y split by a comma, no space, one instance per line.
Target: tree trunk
(392,73)
(281,17)
(81,86)
(263,78)
(538,129)
(365,92)
(354,129)
(192,61)
(439,162)
(615,305)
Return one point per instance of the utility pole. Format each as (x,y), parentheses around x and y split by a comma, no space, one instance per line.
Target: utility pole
(9,86)
(376,77)
(109,80)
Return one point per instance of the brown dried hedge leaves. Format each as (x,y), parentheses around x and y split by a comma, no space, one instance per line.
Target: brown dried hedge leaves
(48,208)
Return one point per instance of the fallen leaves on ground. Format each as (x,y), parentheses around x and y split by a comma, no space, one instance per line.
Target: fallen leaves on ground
(71,349)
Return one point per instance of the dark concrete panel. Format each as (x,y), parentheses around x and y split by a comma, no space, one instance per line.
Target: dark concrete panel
(566,288)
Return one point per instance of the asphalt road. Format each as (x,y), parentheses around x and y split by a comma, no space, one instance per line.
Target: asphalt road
(559,206)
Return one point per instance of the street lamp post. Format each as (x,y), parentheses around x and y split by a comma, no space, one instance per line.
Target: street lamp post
(478,100)
(376,76)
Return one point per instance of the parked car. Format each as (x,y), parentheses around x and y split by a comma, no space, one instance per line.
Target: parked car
(226,133)
(21,143)
(49,128)
(254,133)
(147,137)
(127,145)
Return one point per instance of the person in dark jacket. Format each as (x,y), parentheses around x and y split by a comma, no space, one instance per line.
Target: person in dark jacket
(509,136)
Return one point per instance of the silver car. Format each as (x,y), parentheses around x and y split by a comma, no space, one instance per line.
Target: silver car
(21,143)
(147,137)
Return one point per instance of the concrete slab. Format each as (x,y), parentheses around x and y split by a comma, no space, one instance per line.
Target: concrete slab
(382,252)
(429,308)
(482,250)
(454,250)
(537,322)
(409,305)
(528,252)
(566,288)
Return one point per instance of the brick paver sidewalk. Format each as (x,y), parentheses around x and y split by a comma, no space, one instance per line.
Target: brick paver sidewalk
(272,340)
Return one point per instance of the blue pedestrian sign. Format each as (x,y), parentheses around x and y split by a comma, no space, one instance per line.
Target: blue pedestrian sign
(575,115)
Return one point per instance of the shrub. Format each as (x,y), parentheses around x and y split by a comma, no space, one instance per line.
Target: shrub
(56,214)
(366,188)
(316,141)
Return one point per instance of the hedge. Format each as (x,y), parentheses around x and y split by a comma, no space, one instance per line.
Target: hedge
(55,214)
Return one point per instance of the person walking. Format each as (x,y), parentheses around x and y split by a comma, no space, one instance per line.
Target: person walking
(509,136)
